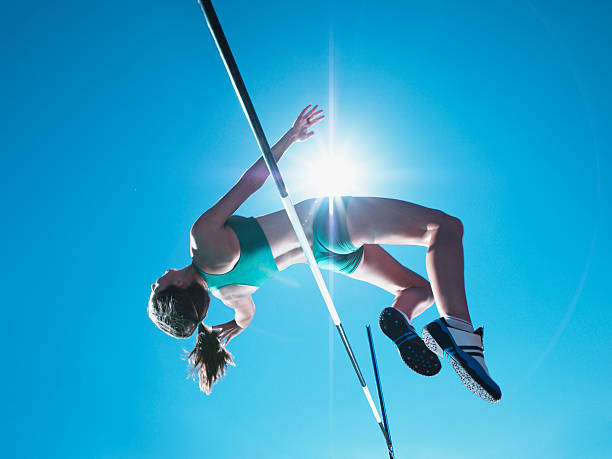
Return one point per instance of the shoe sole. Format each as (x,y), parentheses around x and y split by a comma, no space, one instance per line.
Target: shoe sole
(414,352)
(443,341)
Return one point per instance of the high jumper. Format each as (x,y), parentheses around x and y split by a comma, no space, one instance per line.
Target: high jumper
(233,256)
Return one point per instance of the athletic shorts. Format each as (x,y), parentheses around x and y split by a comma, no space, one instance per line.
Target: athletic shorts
(332,245)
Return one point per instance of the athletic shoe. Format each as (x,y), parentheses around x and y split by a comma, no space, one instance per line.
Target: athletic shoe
(410,346)
(465,352)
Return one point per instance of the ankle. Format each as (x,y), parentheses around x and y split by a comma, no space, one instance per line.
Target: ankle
(457,322)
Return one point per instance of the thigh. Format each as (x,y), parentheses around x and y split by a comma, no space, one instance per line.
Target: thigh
(379,268)
(390,221)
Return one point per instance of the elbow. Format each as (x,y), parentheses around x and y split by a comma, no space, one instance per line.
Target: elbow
(244,321)
(244,317)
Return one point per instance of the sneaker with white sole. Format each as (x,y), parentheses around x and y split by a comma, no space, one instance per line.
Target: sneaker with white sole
(465,352)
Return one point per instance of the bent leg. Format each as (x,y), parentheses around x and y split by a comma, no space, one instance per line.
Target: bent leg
(391,221)
(412,292)
(412,296)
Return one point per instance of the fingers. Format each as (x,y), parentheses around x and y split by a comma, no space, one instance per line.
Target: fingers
(229,336)
(312,120)
(222,331)
(303,111)
(311,112)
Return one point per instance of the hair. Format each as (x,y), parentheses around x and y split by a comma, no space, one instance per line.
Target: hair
(209,358)
(178,312)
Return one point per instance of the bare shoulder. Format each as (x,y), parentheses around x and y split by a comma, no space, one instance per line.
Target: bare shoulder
(213,248)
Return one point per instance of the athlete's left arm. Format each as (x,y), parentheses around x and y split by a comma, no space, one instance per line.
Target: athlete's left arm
(256,175)
(244,310)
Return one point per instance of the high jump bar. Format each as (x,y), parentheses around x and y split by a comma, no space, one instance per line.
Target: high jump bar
(264,146)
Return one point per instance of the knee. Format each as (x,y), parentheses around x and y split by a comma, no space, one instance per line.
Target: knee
(455,225)
(447,224)
(420,294)
(428,296)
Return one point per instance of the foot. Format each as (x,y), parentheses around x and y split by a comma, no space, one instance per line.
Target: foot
(410,346)
(465,352)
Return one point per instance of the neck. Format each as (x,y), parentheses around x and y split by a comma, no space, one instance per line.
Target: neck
(194,275)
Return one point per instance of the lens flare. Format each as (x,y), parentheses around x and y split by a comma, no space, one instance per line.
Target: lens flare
(332,174)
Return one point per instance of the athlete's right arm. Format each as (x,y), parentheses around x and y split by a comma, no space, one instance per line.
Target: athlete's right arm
(256,175)
(244,310)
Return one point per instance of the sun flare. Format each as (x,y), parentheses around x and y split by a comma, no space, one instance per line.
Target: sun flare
(332,174)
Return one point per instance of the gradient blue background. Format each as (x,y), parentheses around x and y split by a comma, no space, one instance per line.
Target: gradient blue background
(119,127)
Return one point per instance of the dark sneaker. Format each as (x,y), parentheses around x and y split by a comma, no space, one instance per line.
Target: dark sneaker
(465,352)
(410,346)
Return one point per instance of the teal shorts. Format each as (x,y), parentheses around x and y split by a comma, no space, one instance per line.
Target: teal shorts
(332,245)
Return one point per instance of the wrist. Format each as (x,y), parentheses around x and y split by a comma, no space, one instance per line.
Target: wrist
(243,322)
(292,135)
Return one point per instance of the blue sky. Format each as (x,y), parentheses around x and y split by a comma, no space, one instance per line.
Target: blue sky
(119,127)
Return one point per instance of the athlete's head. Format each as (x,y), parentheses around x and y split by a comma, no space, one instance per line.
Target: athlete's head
(178,308)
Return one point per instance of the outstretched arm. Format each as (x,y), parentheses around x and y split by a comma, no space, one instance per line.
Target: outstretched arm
(257,174)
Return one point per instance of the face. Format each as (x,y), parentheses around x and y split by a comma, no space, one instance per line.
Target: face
(170,277)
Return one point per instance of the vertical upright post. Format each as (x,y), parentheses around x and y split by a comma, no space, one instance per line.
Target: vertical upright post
(249,111)
(381,399)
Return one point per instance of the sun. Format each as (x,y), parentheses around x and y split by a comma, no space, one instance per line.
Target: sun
(332,174)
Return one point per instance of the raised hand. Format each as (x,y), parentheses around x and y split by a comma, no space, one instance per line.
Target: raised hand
(305,120)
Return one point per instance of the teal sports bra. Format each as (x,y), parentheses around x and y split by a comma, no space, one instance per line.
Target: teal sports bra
(256,263)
